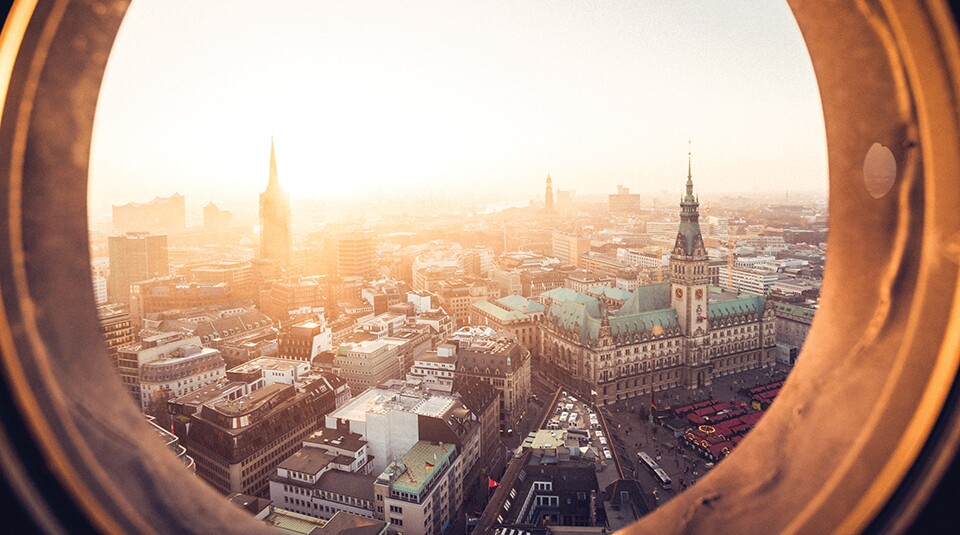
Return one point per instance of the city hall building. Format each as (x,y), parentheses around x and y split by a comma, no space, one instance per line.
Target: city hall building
(668,335)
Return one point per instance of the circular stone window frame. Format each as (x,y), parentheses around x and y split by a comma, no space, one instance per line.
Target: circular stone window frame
(859,438)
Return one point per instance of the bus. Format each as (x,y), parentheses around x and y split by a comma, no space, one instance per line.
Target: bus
(655,469)
(647,461)
(663,478)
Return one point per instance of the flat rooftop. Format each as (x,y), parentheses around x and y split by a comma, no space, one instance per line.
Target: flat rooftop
(382,401)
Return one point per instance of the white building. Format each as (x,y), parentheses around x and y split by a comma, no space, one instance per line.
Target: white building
(330,473)
(100,289)
(421,492)
(178,373)
(194,373)
(367,363)
(755,281)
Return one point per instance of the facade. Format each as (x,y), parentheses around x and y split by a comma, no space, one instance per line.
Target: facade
(281,299)
(496,358)
(753,280)
(676,334)
(420,492)
(172,293)
(367,363)
(275,219)
(99,289)
(458,294)
(239,333)
(165,347)
(357,255)
(304,339)
(329,474)
(115,327)
(237,275)
(501,316)
(624,202)
(178,373)
(134,257)
(582,280)
(238,443)
(568,247)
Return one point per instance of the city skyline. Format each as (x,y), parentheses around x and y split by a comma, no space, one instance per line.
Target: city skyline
(593,97)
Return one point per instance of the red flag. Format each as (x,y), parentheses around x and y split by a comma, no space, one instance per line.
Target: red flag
(653,401)
(491,483)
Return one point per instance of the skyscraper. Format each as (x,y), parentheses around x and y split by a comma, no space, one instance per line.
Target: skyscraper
(548,196)
(275,218)
(135,256)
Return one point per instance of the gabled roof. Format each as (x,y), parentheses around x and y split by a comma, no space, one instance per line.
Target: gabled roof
(655,322)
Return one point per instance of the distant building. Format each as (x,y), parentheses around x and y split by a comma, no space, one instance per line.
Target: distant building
(162,214)
(135,257)
(582,280)
(568,247)
(240,333)
(173,293)
(215,219)
(281,299)
(457,294)
(624,202)
(275,238)
(239,276)
(357,255)
(548,196)
(99,289)
(115,327)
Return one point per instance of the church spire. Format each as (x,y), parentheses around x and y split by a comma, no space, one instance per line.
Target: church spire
(274,181)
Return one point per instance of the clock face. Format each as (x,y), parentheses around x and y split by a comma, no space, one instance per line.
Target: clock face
(679,293)
(700,293)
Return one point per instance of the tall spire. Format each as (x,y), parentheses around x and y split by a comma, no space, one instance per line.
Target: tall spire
(689,158)
(273,166)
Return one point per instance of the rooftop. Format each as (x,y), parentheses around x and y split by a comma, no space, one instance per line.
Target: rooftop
(414,472)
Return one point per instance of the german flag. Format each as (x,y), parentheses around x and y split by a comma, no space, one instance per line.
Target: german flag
(428,466)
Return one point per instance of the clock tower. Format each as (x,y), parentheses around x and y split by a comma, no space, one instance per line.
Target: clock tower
(689,278)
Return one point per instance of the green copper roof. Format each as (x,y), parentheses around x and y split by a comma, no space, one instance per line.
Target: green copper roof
(521,304)
(412,473)
(566,294)
(584,318)
(610,292)
(647,298)
(655,322)
(740,305)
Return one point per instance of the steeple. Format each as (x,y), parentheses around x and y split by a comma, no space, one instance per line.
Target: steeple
(689,238)
(274,181)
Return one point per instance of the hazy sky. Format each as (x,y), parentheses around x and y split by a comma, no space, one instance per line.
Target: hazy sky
(409,98)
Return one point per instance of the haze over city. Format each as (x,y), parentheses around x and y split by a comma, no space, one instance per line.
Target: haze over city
(434,98)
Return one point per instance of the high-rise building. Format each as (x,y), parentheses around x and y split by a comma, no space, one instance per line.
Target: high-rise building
(135,256)
(624,202)
(357,255)
(548,196)
(275,218)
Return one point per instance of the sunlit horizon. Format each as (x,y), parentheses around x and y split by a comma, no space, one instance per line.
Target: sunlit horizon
(446,99)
